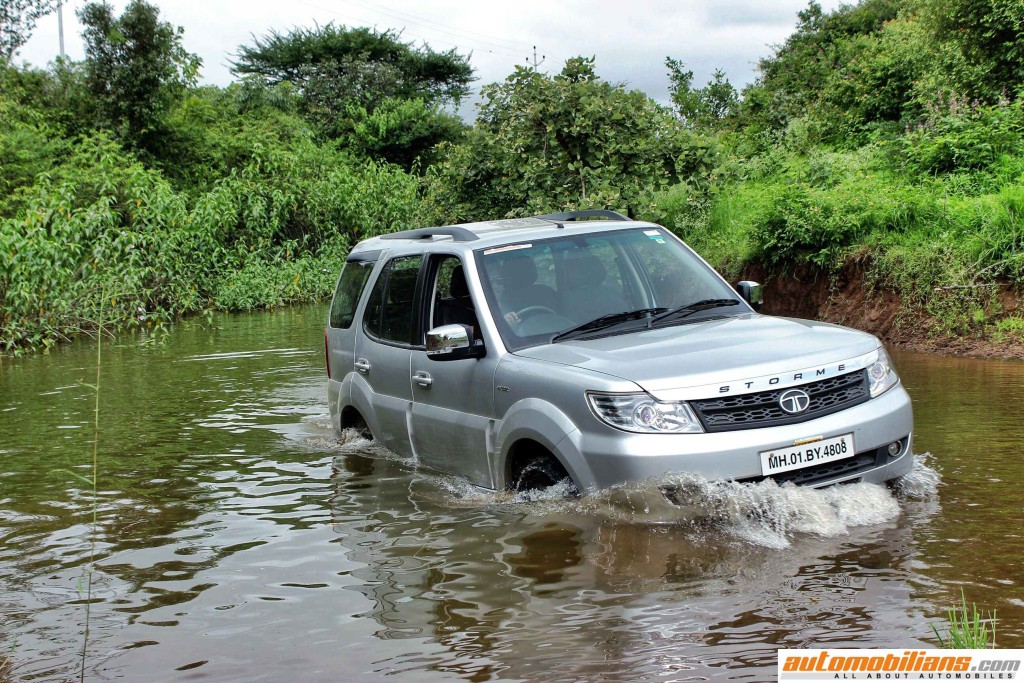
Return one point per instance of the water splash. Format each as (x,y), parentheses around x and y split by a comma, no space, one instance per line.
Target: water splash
(922,482)
(763,513)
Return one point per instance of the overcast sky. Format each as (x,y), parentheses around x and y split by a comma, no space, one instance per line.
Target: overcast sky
(629,39)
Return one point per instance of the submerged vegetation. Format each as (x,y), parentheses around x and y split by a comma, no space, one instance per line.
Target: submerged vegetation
(886,133)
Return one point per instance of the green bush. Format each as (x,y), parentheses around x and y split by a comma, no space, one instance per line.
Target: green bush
(963,138)
(102,235)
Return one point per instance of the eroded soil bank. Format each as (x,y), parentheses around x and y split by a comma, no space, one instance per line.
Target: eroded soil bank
(850,298)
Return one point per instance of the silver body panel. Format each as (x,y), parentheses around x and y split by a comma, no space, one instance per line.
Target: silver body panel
(466,419)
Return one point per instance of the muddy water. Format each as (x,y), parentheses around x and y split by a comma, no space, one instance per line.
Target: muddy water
(239,540)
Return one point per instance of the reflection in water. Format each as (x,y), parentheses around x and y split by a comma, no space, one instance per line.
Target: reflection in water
(240,540)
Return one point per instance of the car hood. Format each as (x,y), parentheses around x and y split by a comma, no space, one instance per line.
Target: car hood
(672,363)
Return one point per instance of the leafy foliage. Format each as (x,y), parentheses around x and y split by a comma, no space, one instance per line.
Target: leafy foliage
(562,142)
(794,78)
(364,65)
(271,233)
(964,138)
(404,132)
(703,108)
(880,65)
(136,69)
(357,82)
(986,41)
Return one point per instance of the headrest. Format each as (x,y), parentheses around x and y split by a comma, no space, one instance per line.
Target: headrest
(517,271)
(458,286)
(584,270)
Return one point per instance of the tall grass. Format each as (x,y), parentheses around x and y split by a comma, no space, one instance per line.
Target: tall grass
(85,591)
(95,498)
(967,629)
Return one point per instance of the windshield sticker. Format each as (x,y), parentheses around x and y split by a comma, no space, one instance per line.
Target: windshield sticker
(511,247)
(652,233)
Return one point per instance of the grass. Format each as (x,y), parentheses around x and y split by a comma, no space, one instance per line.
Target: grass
(967,629)
(86,590)
(95,498)
(1008,329)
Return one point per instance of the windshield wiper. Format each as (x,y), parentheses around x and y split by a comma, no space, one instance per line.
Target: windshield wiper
(607,321)
(690,309)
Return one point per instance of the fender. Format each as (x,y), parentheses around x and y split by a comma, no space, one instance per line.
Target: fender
(335,390)
(543,422)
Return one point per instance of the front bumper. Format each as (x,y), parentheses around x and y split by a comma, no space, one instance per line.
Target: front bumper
(609,457)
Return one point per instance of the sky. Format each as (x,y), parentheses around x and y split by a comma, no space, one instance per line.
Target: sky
(629,39)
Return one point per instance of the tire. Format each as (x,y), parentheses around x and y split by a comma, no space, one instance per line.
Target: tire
(357,423)
(541,473)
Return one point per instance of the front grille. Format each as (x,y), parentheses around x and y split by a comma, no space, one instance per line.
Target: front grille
(761,409)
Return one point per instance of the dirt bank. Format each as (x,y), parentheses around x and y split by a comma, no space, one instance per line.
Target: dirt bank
(849,299)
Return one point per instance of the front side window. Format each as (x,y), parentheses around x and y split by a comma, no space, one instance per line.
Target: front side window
(451,302)
(346,295)
(539,290)
(390,310)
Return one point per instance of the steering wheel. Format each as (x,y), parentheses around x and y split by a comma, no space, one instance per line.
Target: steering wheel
(531,311)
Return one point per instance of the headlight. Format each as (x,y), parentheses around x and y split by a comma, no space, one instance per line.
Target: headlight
(881,376)
(641,413)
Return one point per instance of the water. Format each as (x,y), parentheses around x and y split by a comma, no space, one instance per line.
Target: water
(239,540)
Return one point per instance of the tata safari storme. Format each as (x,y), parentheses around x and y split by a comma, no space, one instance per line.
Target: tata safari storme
(519,353)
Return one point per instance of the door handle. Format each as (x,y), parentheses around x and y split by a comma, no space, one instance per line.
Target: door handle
(423,379)
(362,365)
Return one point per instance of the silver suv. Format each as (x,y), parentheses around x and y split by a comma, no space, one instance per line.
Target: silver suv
(521,353)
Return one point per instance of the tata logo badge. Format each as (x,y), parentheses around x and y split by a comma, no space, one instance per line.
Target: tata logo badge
(794,401)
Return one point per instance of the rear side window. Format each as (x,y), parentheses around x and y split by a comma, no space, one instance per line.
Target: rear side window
(390,310)
(350,288)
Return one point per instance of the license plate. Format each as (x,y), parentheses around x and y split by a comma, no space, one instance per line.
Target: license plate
(806,455)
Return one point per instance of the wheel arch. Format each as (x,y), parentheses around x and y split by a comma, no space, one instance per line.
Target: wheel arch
(531,427)
(355,401)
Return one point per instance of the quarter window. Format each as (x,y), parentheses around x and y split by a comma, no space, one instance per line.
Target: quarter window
(389,312)
(350,288)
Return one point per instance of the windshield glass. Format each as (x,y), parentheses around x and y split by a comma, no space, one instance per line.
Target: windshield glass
(538,289)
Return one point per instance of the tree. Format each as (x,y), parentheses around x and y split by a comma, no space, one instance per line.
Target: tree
(17,19)
(362,64)
(375,93)
(681,90)
(569,141)
(136,68)
(793,79)
(701,108)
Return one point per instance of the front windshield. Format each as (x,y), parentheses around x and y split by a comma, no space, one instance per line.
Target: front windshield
(536,290)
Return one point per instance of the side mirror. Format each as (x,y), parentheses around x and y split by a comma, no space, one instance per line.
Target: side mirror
(752,292)
(453,342)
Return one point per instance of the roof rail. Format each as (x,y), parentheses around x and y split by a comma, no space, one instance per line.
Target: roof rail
(456,233)
(580,215)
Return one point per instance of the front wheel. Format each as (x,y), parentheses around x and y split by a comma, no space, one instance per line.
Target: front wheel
(541,473)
